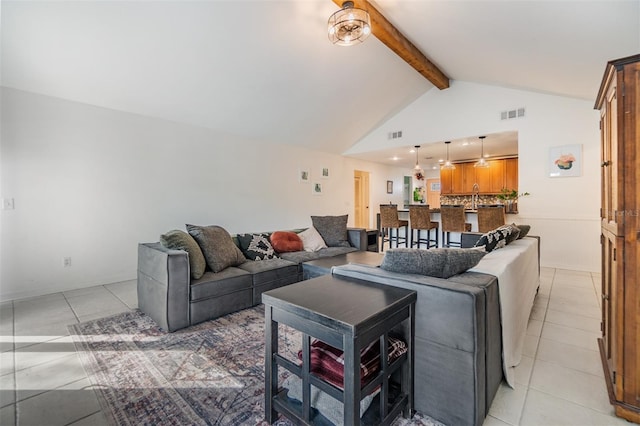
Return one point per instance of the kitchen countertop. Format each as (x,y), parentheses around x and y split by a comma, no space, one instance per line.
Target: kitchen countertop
(437,210)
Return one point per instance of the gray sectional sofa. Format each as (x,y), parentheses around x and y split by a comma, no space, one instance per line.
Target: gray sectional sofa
(458,329)
(168,294)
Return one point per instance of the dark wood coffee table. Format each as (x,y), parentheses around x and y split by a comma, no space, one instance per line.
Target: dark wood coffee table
(319,267)
(347,314)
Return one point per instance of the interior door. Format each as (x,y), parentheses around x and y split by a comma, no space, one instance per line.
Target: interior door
(433,193)
(361,199)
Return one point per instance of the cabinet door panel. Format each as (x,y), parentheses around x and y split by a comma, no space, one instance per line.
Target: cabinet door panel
(457,180)
(483,179)
(445,181)
(511,173)
(497,172)
(469,175)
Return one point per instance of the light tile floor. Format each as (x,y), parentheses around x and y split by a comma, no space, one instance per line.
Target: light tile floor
(559,381)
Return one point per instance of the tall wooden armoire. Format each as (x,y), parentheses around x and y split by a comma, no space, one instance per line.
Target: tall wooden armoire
(619,104)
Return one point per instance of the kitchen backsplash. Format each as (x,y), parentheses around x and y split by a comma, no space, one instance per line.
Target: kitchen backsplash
(467,200)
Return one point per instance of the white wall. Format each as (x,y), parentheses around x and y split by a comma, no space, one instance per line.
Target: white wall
(91,183)
(563,211)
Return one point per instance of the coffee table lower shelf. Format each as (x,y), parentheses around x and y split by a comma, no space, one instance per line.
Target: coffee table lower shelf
(371,417)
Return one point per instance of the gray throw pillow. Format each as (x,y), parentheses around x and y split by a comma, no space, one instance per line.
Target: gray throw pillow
(524,230)
(180,240)
(439,262)
(217,246)
(333,229)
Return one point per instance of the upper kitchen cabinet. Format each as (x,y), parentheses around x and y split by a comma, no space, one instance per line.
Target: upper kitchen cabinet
(511,173)
(500,174)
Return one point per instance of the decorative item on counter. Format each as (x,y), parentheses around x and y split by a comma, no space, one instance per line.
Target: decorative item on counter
(418,173)
(418,194)
(509,197)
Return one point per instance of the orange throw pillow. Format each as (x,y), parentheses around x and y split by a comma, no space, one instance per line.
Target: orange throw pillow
(286,241)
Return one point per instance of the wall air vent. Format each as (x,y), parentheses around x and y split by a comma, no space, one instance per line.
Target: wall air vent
(512,113)
(395,135)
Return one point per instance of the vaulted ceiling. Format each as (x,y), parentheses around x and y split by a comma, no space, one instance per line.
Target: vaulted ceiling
(266,70)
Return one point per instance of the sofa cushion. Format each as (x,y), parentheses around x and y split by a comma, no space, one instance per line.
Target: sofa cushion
(305,256)
(439,262)
(524,230)
(180,240)
(256,246)
(286,241)
(333,229)
(498,238)
(215,284)
(217,246)
(311,239)
(270,270)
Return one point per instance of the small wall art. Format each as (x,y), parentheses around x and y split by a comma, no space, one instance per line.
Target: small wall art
(317,188)
(324,173)
(389,187)
(565,161)
(304,176)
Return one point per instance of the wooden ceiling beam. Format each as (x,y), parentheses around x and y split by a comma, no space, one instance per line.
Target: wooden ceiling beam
(396,41)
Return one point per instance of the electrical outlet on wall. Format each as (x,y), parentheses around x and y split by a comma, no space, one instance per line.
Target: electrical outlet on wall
(7,204)
(66,262)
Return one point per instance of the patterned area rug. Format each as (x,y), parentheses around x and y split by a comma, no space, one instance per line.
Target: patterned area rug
(208,374)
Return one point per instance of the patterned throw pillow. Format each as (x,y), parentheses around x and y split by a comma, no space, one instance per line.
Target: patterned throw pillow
(256,246)
(333,229)
(311,239)
(286,241)
(217,247)
(439,262)
(498,238)
(180,240)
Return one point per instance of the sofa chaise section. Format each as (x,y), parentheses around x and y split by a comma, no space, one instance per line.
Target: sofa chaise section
(458,365)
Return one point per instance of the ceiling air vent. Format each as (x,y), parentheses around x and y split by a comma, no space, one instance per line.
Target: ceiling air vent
(395,135)
(512,113)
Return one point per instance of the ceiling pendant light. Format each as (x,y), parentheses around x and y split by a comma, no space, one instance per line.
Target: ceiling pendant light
(448,165)
(482,163)
(349,25)
(418,173)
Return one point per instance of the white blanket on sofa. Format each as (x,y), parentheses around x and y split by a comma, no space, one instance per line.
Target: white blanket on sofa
(516,267)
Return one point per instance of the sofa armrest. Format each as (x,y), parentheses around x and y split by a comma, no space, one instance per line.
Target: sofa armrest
(358,238)
(469,239)
(164,285)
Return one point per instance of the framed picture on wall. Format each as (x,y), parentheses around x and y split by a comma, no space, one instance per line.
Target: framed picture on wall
(317,188)
(304,176)
(565,161)
(324,173)
(389,187)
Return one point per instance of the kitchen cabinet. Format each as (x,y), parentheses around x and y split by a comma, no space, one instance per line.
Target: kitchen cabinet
(497,175)
(511,173)
(619,104)
(457,180)
(469,176)
(500,174)
(445,181)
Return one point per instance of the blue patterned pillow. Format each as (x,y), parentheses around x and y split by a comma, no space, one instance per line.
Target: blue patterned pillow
(256,246)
